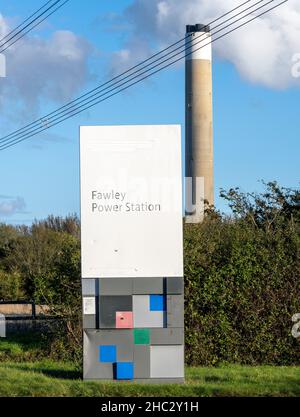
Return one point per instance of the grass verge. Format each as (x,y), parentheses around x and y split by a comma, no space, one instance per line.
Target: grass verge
(49,378)
(26,370)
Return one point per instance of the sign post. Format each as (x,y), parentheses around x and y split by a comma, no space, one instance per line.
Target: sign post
(132,253)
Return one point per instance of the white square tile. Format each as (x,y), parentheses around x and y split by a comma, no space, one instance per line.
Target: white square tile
(89,305)
(167,361)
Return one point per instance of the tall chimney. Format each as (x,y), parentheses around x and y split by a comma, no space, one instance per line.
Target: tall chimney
(199,123)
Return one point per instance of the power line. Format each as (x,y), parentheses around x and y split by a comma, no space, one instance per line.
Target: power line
(11,35)
(46,120)
(11,142)
(113,80)
(14,37)
(24,21)
(71,113)
(64,117)
(49,122)
(22,34)
(183,49)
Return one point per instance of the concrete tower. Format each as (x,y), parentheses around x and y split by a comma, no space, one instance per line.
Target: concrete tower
(199,123)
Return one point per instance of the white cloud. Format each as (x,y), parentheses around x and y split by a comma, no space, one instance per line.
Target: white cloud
(261,51)
(43,69)
(133,52)
(11,205)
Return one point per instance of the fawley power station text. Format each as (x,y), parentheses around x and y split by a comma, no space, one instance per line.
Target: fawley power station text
(110,202)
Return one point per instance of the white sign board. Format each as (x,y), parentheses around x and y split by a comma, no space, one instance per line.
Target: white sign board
(131,201)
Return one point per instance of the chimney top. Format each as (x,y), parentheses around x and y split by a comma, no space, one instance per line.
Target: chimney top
(197,28)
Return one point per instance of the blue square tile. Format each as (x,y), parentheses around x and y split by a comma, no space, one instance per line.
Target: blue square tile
(107,353)
(157,303)
(124,370)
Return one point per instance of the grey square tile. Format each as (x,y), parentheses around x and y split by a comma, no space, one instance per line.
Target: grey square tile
(175,311)
(148,286)
(170,336)
(167,361)
(116,286)
(141,358)
(174,285)
(89,321)
(89,287)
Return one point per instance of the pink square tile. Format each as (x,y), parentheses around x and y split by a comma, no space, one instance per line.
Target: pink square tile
(124,320)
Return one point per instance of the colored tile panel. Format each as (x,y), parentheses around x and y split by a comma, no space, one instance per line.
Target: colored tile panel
(108,353)
(141,336)
(124,370)
(124,320)
(157,303)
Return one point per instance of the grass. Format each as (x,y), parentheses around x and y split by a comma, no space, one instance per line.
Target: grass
(22,347)
(49,378)
(20,375)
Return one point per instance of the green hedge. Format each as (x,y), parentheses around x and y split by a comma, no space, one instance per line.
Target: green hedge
(242,287)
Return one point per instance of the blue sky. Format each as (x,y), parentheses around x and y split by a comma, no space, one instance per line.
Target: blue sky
(256,125)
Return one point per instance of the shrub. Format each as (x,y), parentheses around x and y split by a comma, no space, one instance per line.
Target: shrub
(242,281)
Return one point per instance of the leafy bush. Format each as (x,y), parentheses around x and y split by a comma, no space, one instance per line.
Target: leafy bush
(242,281)
(46,257)
(11,286)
